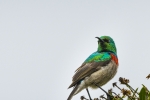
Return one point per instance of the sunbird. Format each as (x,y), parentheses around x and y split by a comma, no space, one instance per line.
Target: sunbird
(99,68)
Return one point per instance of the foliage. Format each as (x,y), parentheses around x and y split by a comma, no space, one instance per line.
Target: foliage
(126,94)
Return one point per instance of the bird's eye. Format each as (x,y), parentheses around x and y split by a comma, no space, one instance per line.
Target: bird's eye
(106,40)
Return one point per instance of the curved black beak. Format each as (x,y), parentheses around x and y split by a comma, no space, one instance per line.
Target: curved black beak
(100,40)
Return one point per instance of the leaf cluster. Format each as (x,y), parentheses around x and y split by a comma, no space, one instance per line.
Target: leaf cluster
(127,93)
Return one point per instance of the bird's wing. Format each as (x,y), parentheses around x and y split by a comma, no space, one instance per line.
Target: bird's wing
(93,63)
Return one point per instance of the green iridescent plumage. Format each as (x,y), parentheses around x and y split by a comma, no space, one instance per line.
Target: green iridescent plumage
(102,53)
(107,46)
(96,57)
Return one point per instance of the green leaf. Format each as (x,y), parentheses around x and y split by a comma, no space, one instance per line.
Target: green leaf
(142,94)
(148,95)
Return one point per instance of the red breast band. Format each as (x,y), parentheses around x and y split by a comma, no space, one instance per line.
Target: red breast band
(114,58)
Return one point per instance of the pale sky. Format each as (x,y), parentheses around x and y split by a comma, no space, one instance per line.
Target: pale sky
(42,43)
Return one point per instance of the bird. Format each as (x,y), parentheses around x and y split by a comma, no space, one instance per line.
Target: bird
(99,68)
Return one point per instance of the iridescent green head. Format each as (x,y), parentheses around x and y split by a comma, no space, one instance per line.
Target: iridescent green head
(106,44)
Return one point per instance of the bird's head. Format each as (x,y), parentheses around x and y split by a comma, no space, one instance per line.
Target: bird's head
(106,44)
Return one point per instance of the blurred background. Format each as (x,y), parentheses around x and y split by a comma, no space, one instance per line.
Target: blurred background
(42,43)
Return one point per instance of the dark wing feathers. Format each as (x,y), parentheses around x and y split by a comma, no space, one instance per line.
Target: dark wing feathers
(86,69)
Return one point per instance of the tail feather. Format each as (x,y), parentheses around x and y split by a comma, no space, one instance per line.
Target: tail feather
(73,92)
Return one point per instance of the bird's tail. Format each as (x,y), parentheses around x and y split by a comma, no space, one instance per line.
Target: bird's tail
(73,92)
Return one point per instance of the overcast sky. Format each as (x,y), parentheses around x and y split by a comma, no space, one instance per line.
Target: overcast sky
(42,43)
